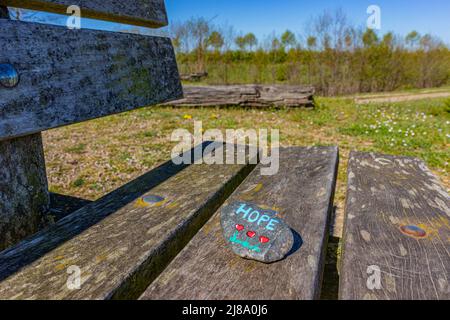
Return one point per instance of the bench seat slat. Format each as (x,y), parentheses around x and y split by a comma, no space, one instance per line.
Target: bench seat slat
(302,192)
(69,76)
(148,13)
(391,202)
(124,248)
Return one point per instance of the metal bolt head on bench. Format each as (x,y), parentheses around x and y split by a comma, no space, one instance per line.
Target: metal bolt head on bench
(69,76)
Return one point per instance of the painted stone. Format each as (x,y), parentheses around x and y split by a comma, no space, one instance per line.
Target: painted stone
(255,233)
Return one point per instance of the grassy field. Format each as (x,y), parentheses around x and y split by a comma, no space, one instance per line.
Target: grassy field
(90,159)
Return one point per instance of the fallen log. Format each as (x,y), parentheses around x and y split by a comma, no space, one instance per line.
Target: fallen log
(255,96)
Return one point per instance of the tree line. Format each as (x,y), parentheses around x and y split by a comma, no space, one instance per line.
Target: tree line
(333,55)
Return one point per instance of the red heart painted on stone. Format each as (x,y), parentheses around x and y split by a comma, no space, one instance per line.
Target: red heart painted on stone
(239,227)
(251,234)
(264,239)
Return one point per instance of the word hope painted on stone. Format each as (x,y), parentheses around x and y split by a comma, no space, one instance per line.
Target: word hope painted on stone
(255,233)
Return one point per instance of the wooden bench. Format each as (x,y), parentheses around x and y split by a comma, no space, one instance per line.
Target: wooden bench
(123,241)
(53,76)
(302,194)
(159,236)
(397,233)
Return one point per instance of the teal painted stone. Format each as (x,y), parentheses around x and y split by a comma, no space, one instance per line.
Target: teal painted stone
(255,233)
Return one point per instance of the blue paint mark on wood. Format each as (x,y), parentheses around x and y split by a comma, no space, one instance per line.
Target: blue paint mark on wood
(413,231)
(151,199)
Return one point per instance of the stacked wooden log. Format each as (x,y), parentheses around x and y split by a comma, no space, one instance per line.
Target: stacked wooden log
(256,96)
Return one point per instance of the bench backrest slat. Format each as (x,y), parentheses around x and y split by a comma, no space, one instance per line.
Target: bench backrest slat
(69,76)
(148,13)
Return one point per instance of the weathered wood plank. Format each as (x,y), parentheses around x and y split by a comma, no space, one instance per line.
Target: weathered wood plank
(125,247)
(147,13)
(397,228)
(302,192)
(68,76)
(24,198)
(257,96)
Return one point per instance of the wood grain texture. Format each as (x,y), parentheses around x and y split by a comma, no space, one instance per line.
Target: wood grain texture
(68,76)
(385,195)
(256,96)
(147,13)
(125,248)
(302,192)
(24,197)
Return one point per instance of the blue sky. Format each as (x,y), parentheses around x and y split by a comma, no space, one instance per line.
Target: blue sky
(265,16)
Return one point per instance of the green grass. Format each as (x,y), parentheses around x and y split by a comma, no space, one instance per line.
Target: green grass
(79,148)
(443,89)
(78,183)
(418,129)
(111,151)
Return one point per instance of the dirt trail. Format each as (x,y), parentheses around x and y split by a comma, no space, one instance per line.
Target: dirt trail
(401,97)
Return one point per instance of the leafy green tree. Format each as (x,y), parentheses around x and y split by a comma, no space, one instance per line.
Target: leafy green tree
(311,42)
(412,39)
(370,38)
(246,42)
(426,42)
(288,39)
(338,57)
(276,44)
(250,40)
(216,40)
(240,42)
(388,39)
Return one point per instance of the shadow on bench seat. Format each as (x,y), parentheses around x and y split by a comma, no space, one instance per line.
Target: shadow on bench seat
(62,205)
(123,241)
